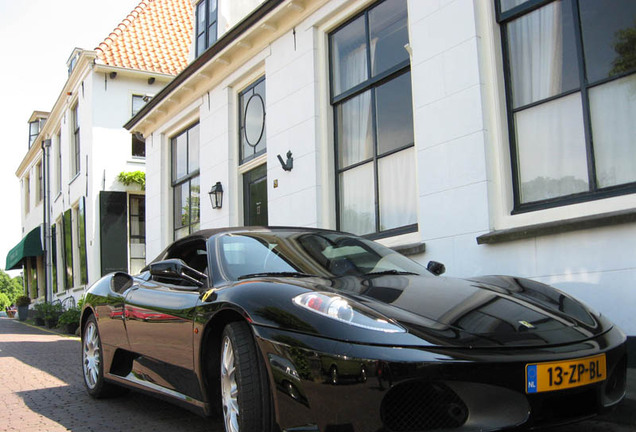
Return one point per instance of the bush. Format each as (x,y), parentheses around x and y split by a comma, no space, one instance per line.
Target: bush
(48,313)
(70,316)
(23,301)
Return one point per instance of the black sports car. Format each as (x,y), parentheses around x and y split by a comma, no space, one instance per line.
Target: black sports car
(312,330)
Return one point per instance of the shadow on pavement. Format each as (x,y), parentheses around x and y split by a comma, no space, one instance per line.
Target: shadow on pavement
(45,376)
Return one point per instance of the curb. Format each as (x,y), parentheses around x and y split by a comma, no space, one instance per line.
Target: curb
(47,330)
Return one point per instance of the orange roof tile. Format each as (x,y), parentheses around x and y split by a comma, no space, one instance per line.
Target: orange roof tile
(155,36)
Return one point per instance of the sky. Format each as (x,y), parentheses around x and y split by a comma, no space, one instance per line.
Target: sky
(36,39)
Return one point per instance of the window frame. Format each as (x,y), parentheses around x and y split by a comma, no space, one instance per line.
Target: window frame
(209,24)
(75,141)
(185,179)
(372,83)
(242,112)
(594,192)
(142,236)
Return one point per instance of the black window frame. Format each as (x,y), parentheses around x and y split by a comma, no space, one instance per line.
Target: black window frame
(594,192)
(210,28)
(76,146)
(33,134)
(185,179)
(242,108)
(372,83)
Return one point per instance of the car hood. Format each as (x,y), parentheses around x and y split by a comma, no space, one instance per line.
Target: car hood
(482,312)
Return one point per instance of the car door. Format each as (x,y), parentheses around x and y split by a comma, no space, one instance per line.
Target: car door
(159,319)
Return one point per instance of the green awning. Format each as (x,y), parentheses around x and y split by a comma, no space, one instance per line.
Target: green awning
(29,246)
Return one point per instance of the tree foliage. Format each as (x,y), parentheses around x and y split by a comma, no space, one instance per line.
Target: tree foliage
(625,47)
(10,287)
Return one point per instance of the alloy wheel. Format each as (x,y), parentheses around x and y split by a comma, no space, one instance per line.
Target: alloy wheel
(229,388)
(91,355)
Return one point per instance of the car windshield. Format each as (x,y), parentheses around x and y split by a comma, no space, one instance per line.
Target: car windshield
(303,254)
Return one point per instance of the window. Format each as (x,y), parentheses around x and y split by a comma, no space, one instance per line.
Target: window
(75,141)
(185,181)
(206,31)
(58,168)
(137,234)
(252,121)
(373,116)
(39,187)
(138,147)
(26,187)
(34,130)
(67,249)
(570,94)
(138,102)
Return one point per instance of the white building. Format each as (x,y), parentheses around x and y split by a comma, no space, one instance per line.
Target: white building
(90,223)
(496,136)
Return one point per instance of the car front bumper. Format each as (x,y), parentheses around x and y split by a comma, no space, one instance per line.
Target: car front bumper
(330,386)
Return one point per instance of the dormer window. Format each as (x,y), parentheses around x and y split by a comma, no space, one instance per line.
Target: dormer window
(206,31)
(34,130)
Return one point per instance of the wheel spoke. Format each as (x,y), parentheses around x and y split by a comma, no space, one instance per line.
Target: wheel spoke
(229,387)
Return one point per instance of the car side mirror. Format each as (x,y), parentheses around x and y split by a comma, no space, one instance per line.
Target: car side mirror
(436,268)
(175,270)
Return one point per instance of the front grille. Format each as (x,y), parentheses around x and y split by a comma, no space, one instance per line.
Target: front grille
(421,405)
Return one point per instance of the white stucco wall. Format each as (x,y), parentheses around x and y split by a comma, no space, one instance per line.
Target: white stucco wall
(461,141)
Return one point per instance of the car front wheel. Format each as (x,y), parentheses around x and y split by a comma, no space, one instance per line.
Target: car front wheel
(244,388)
(93,363)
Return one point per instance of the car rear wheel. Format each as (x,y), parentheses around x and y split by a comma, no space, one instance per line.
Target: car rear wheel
(244,388)
(93,363)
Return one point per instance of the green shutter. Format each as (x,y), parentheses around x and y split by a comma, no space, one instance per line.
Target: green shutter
(68,249)
(54,257)
(81,240)
(113,231)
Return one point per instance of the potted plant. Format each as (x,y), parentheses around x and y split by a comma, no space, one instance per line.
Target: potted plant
(23,303)
(38,313)
(52,313)
(69,320)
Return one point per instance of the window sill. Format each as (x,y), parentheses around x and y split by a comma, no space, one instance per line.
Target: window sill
(410,249)
(558,227)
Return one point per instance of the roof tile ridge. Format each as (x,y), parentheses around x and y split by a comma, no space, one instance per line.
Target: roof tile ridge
(120,29)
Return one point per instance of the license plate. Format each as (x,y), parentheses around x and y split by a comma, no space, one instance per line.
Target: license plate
(545,377)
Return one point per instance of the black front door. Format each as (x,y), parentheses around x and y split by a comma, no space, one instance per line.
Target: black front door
(255,197)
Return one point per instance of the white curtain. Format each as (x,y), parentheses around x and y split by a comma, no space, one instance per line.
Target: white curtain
(551,149)
(355,142)
(357,202)
(536,54)
(398,203)
(613,110)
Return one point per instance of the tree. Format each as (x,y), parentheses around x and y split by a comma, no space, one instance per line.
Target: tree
(12,288)
(625,47)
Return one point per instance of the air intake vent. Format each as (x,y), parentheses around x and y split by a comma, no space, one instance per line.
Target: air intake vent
(420,405)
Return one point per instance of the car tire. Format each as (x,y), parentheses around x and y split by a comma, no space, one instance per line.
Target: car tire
(93,363)
(244,388)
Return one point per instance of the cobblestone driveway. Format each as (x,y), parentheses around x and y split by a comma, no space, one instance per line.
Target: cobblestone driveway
(41,389)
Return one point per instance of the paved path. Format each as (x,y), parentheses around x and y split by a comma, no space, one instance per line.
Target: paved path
(41,389)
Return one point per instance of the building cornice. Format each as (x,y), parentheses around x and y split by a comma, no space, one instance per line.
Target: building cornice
(241,43)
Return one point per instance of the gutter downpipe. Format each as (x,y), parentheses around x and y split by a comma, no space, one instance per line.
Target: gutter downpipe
(48,285)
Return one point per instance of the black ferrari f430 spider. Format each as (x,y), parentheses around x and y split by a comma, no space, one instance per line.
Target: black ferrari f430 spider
(289,329)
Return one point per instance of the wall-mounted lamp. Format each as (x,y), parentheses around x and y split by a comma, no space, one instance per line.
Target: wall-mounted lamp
(151,80)
(113,75)
(216,195)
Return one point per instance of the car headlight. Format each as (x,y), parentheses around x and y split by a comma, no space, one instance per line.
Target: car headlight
(335,307)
